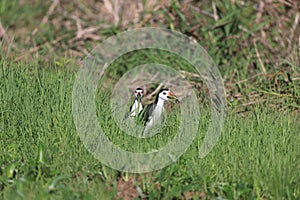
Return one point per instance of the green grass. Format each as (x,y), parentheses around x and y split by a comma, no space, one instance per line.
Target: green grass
(257,156)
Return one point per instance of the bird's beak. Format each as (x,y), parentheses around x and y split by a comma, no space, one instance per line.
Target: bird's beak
(139,95)
(171,95)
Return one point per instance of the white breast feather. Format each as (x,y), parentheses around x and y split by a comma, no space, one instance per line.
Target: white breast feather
(136,108)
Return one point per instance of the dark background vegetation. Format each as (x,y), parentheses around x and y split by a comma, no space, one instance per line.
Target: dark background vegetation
(255,42)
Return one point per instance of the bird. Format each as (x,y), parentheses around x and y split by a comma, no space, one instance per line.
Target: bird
(137,105)
(153,114)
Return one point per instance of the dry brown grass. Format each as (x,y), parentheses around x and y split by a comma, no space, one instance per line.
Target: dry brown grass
(78,25)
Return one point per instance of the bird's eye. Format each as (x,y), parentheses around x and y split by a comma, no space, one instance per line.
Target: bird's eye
(164,93)
(135,92)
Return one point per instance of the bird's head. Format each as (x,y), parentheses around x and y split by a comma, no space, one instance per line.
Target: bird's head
(166,95)
(138,93)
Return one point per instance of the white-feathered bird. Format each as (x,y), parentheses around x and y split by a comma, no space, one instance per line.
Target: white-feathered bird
(137,105)
(154,113)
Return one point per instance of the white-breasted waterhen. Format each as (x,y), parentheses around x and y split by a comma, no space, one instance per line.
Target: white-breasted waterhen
(153,114)
(137,105)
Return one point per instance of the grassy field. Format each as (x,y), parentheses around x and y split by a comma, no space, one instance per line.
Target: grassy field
(42,156)
(255,45)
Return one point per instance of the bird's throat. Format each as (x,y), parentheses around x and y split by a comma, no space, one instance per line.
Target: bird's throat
(160,103)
